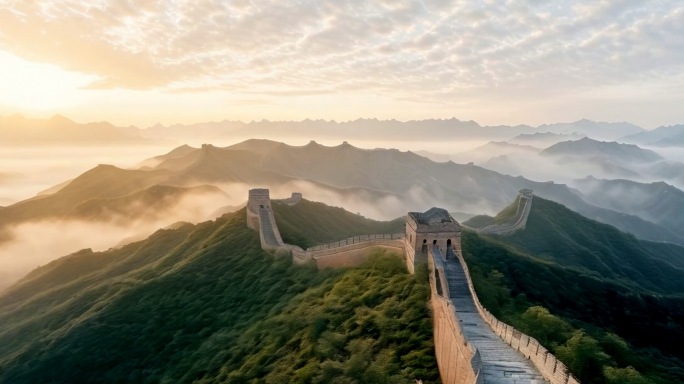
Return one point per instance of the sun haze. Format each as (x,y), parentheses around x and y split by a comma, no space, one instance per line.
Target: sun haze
(184,61)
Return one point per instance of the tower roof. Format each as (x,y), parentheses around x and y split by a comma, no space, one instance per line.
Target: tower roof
(432,216)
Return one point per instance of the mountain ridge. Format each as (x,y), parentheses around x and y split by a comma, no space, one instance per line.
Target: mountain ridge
(590,147)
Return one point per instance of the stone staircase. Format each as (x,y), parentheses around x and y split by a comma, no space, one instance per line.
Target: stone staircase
(500,362)
(267,228)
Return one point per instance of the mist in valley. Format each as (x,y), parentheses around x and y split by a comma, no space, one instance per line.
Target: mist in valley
(35,243)
(29,171)
(34,171)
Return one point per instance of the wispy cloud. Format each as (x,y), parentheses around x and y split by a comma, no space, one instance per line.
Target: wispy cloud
(427,50)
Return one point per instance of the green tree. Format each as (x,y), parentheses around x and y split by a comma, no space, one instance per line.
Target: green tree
(584,356)
(547,328)
(627,375)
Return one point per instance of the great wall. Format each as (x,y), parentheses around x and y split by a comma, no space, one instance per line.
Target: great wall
(517,222)
(471,345)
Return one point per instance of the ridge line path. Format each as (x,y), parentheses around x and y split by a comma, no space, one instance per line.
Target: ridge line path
(500,362)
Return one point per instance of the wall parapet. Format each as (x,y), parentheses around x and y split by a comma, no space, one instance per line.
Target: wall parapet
(349,251)
(356,239)
(518,222)
(458,360)
(552,369)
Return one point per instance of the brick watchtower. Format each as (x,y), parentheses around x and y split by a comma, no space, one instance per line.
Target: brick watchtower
(434,227)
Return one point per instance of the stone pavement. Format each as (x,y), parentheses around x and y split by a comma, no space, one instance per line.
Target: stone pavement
(500,362)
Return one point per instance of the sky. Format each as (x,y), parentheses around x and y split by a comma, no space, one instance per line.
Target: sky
(495,62)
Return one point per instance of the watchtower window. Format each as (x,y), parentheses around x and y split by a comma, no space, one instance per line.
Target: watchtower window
(434,242)
(261,206)
(449,243)
(424,241)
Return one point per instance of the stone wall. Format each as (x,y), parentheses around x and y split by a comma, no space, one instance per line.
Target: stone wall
(294,199)
(458,361)
(260,218)
(258,198)
(349,252)
(553,370)
(518,222)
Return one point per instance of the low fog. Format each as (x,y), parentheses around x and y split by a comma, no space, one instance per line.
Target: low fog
(26,172)
(37,243)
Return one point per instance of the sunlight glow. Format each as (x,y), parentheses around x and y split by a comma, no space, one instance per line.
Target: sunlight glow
(34,87)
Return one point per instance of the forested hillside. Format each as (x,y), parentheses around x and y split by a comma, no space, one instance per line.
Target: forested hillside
(203,303)
(608,305)
(557,234)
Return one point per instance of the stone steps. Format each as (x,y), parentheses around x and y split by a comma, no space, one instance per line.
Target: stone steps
(500,362)
(267,228)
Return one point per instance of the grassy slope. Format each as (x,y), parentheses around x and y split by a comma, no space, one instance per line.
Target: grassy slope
(204,303)
(309,223)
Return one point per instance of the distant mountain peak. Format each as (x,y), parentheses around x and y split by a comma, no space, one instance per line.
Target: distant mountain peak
(61,119)
(590,147)
(345,144)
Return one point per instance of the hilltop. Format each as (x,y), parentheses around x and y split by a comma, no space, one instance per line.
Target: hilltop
(544,139)
(175,306)
(598,130)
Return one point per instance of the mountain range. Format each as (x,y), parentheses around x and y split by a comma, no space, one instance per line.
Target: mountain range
(386,181)
(60,130)
(665,136)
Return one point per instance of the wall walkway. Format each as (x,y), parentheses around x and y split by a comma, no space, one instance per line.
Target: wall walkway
(499,363)
(552,370)
(518,222)
(458,360)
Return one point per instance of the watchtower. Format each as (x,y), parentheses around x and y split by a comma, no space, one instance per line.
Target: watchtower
(258,198)
(434,227)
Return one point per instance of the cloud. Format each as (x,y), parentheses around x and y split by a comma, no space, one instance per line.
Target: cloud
(459,56)
(430,47)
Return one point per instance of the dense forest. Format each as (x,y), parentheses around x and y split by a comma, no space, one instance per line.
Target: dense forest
(203,303)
